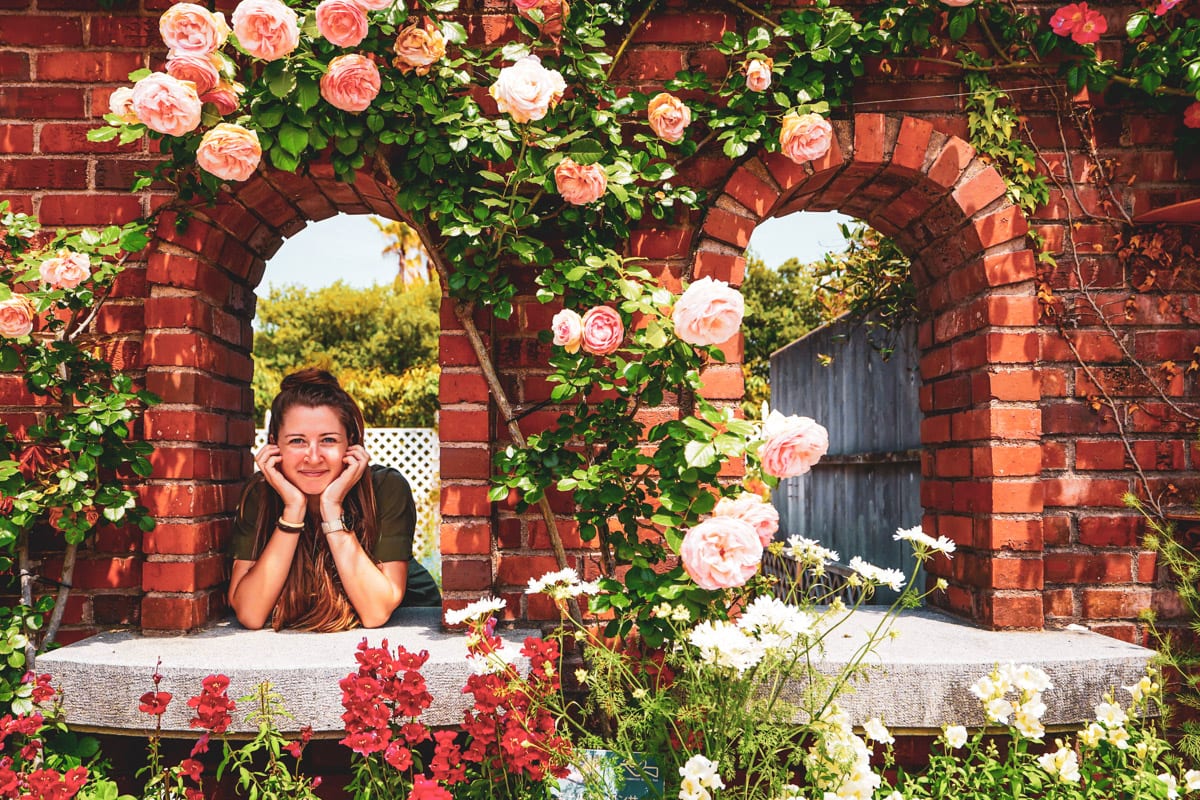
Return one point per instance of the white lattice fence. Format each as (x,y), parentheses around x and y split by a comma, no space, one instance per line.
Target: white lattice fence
(416,453)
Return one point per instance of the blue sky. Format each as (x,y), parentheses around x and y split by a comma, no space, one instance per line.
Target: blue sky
(350,248)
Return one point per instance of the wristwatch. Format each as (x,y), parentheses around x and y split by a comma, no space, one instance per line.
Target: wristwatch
(336,525)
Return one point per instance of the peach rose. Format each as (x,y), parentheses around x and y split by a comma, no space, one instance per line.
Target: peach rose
(568,330)
(120,103)
(578,184)
(230,152)
(957,3)
(266,29)
(201,70)
(709,312)
(375,5)
(165,104)
(351,82)
(793,445)
(342,22)
(753,509)
(418,47)
(224,96)
(526,90)
(668,117)
(805,137)
(602,331)
(758,74)
(721,552)
(190,29)
(16,317)
(66,270)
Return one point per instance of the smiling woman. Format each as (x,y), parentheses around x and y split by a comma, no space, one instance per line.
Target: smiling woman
(324,541)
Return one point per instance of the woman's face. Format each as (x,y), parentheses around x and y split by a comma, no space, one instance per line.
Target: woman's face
(312,445)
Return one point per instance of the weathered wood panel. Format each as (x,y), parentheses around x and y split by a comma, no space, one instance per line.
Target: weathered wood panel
(869,483)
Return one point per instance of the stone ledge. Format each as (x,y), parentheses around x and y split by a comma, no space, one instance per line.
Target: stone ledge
(103,676)
(917,682)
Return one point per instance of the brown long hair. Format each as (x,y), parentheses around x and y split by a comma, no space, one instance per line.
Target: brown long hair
(312,598)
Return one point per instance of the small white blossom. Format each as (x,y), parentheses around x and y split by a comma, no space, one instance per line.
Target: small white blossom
(1092,735)
(723,644)
(810,553)
(480,609)
(1027,724)
(1029,679)
(1111,715)
(699,774)
(894,796)
(1061,764)
(998,710)
(1168,780)
(877,732)
(778,625)
(1191,780)
(561,585)
(892,578)
(923,543)
(955,736)
(1146,686)
(1119,738)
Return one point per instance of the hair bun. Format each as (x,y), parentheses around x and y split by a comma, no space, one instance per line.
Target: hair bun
(310,377)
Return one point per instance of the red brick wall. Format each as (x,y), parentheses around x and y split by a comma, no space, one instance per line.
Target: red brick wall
(1019,468)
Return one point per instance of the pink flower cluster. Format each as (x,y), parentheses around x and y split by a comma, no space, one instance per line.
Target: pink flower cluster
(1079,22)
(600,331)
(387,691)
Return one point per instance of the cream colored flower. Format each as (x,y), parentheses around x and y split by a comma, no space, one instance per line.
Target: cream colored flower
(955,736)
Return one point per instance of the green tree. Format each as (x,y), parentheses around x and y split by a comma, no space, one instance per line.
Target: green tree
(381,343)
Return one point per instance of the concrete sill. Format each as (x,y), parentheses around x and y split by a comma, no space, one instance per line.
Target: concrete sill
(917,682)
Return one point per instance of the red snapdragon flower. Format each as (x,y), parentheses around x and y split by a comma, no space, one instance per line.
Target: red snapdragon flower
(212,705)
(42,690)
(192,768)
(425,789)
(48,784)
(154,703)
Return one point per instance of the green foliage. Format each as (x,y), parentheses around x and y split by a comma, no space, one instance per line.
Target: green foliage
(381,343)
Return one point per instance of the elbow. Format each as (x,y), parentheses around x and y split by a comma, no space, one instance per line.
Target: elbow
(252,623)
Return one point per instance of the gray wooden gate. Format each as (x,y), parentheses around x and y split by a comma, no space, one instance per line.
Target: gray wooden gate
(869,483)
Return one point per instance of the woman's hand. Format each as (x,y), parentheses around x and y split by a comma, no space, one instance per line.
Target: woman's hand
(268,460)
(356,460)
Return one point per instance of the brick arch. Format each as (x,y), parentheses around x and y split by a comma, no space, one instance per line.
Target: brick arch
(200,301)
(974,274)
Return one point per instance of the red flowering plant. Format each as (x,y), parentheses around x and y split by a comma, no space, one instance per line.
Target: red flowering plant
(509,745)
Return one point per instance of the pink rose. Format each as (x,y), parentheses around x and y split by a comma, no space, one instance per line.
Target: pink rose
(580,185)
(668,117)
(1191,116)
(602,332)
(554,12)
(721,553)
(351,82)
(527,90)
(418,47)
(805,137)
(568,330)
(758,74)
(66,270)
(751,508)
(16,317)
(201,70)
(957,3)
(224,97)
(709,312)
(375,5)
(1076,20)
(120,103)
(1166,5)
(342,22)
(165,104)
(266,29)
(793,445)
(190,29)
(230,152)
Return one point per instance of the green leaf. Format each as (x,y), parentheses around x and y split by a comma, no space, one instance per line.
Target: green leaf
(293,139)
(282,83)
(308,92)
(586,151)
(498,494)
(1136,25)
(103,134)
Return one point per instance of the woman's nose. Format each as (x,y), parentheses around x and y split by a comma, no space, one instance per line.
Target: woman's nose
(310,451)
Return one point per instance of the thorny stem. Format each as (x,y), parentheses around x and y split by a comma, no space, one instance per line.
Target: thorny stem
(633,29)
(465,314)
(25,570)
(747,9)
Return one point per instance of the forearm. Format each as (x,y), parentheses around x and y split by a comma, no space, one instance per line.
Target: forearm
(254,596)
(372,593)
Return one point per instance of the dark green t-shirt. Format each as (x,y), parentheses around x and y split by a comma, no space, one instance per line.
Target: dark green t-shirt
(397,524)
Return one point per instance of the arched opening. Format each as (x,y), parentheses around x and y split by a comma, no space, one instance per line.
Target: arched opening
(202,274)
(980,386)
(830,334)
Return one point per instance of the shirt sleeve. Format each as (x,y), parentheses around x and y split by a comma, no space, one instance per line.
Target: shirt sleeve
(397,516)
(245,525)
